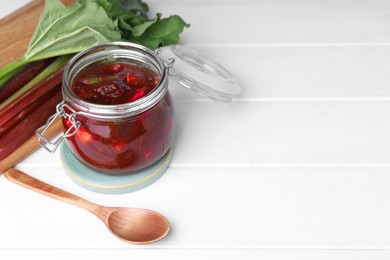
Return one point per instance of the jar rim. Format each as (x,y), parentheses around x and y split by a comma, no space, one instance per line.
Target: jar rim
(117,49)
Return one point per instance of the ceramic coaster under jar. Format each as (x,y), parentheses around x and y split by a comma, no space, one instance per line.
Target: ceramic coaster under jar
(101,182)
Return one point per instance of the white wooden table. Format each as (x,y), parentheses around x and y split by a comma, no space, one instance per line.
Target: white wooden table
(298,167)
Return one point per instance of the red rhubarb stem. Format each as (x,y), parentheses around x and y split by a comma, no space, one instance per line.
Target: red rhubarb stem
(12,122)
(19,104)
(26,128)
(22,78)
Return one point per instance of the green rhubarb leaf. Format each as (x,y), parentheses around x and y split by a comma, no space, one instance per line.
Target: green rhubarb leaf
(136,6)
(124,8)
(136,27)
(128,13)
(163,32)
(140,29)
(63,30)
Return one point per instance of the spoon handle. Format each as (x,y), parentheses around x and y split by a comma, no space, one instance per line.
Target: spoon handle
(29,182)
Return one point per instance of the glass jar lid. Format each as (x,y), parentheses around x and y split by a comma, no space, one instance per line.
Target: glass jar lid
(200,74)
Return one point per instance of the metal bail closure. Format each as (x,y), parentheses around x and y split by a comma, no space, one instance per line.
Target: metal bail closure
(52,146)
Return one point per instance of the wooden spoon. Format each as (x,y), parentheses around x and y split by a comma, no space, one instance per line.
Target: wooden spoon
(137,226)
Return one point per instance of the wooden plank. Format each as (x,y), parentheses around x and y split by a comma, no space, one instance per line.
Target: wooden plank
(275,134)
(17,28)
(216,208)
(194,254)
(281,22)
(282,133)
(302,72)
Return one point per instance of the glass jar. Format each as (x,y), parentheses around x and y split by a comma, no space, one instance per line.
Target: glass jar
(121,138)
(129,137)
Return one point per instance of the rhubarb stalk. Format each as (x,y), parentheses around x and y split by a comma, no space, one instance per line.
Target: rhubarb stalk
(21,78)
(43,88)
(28,147)
(13,119)
(53,67)
(26,128)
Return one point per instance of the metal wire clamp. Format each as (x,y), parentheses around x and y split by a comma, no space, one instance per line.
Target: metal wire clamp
(51,146)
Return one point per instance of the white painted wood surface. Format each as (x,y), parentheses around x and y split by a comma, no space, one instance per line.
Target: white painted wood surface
(298,167)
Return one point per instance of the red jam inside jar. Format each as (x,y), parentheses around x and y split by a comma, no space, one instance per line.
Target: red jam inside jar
(123,143)
(114,83)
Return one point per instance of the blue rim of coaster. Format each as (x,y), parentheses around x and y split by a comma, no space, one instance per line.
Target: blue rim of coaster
(112,184)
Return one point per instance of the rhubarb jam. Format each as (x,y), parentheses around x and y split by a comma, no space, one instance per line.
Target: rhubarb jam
(120,108)
(114,83)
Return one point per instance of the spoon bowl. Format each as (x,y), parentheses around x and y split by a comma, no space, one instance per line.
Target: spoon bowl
(146,226)
(133,225)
